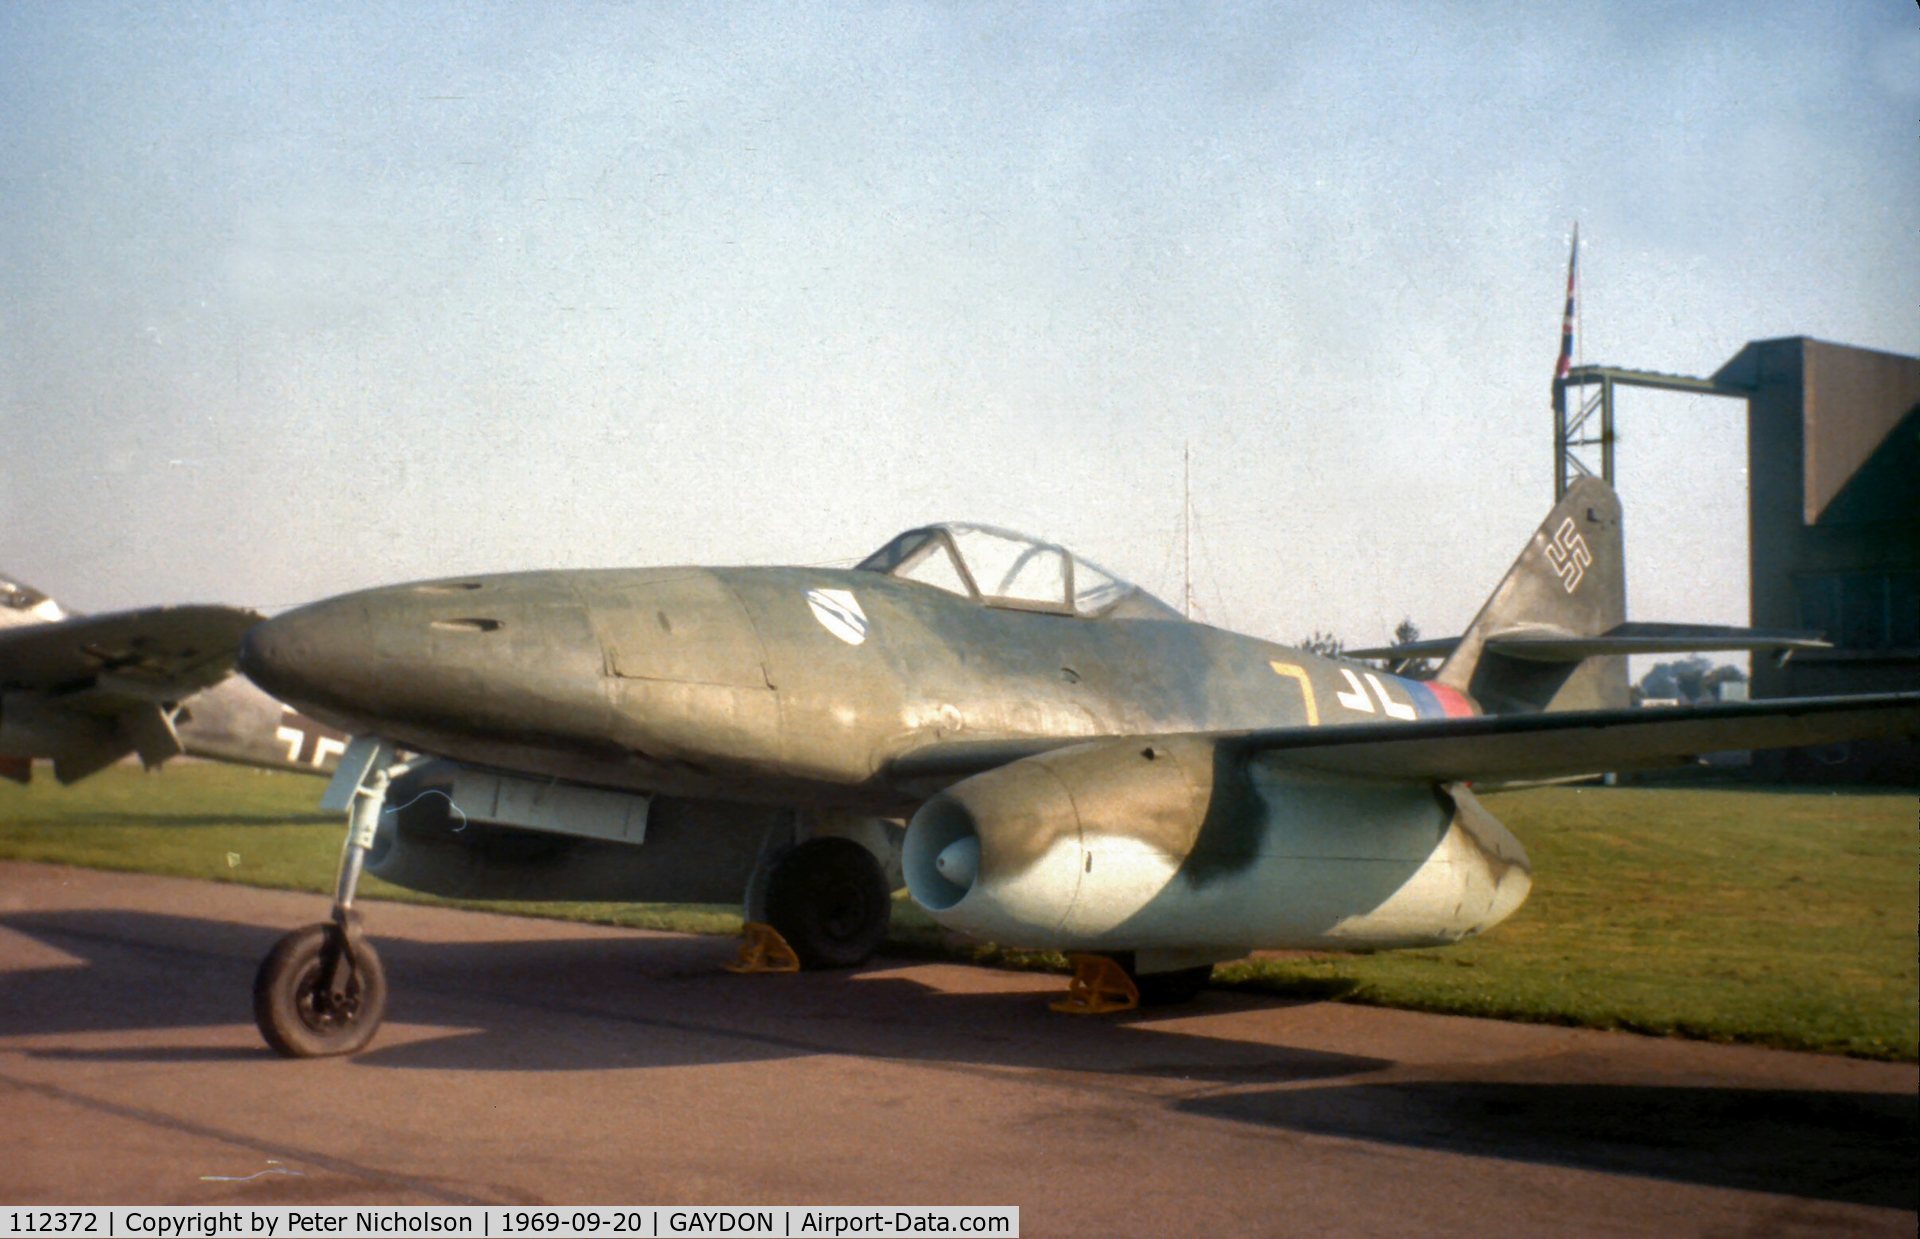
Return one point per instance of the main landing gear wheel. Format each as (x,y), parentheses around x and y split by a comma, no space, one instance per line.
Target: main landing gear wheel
(829,900)
(1108,982)
(316,996)
(1166,989)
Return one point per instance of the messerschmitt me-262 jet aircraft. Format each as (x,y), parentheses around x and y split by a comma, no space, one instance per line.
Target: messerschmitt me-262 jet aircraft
(84,691)
(1079,767)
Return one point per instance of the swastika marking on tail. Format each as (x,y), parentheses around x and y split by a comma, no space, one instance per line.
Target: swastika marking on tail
(1569,555)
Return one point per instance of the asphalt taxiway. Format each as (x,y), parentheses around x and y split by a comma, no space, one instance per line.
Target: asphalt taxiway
(535,1061)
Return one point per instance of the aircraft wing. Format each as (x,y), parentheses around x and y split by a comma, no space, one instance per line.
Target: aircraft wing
(153,654)
(88,690)
(1581,741)
(1489,747)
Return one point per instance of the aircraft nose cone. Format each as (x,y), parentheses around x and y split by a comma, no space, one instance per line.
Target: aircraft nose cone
(311,656)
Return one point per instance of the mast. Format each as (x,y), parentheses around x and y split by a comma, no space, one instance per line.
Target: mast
(1186,529)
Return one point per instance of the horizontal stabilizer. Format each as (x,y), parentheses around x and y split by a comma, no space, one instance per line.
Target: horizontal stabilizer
(1543,644)
(1539,646)
(1438,647)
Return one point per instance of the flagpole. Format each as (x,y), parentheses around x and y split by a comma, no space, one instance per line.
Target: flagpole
(1568,319)
(1562,365)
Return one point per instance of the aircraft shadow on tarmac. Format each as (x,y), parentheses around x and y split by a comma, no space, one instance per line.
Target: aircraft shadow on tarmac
(585,1004)
(624,1002)
(1857,1148)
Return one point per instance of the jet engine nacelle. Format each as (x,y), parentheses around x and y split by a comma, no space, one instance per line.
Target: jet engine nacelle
(28,729)
(1182,844)
(80,743)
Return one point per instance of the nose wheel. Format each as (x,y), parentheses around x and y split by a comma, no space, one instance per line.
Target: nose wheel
(319,994)
(321,991)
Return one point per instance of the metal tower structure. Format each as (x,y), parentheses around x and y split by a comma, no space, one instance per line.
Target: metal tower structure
(1575,436)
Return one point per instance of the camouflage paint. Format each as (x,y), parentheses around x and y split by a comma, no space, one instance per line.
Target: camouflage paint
(1108,782)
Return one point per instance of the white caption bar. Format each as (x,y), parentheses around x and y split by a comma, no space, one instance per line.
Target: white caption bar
(497,1222)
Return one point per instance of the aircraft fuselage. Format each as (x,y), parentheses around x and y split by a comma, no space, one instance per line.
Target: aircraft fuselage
(782,685)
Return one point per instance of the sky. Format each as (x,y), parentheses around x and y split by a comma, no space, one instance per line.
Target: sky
(299,299)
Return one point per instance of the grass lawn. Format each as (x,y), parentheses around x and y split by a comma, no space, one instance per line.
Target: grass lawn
(1780,918)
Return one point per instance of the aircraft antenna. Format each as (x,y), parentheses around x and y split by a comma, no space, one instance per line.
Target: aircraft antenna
(1186,529)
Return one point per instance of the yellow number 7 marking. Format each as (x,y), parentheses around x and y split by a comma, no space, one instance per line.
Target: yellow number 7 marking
(1306,688)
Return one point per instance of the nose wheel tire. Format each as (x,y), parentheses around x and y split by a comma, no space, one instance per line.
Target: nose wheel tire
(829,900)
(301,1012)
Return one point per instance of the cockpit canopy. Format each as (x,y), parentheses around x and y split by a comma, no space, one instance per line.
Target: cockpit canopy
(1005,569)
(17,597)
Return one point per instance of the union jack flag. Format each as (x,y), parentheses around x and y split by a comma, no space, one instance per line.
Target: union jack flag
(1566,324)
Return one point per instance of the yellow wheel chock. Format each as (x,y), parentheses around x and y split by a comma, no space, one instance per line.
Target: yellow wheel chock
(1099,987)
(762,949)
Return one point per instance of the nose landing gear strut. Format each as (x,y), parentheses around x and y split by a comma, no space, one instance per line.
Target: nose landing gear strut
(321,991)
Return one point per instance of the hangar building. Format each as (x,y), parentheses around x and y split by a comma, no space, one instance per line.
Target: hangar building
(1833,511)
(1833,468)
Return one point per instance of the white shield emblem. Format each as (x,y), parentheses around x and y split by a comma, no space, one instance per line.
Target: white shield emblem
(839,613)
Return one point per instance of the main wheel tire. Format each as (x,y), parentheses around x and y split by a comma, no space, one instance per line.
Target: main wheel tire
(297,1015)
(1165,989)
(829,900)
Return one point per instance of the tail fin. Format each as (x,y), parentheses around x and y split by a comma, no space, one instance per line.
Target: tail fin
(1569,582)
